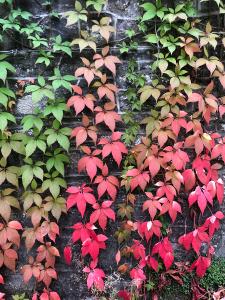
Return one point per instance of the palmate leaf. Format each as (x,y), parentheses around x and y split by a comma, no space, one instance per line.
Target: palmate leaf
(32,145)
(55,205)
(9,23)
(5,67)
(150,11)
(32,121)
(103,27)
(57,160)
(19,13)
(97,4)
(12,142)
(38,41)
(85,41)
(73,16)
(45,57)
(6,1)
(5,95)
(7,201)
(6,117)
(40,91)
(59,45)
(8,173)
(56,109)
(31,170)
(61,81)
(59,135)
(53,184)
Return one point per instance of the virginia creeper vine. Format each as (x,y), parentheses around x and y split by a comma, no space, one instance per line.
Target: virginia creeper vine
(171,172)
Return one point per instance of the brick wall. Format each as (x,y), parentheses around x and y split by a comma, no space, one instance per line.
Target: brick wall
(71,283)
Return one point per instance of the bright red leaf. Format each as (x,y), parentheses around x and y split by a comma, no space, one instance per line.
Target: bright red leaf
(102,213)
(90,162)
(106,183)
(113,146)
(95,278)
(201,265)
(67,255)
(80,196)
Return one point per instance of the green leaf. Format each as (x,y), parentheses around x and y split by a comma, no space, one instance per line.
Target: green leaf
(38,172)
(30,148)
(4,68)
(51,139)
(41,145)
(27,176)
(152,38)
(150,12)
(63,141)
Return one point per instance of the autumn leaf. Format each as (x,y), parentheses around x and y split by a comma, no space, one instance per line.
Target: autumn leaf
(103,27)
(113,146)
(102,213)
(93,245)
(81,133)
(90,162)
(89,71)
(150,91)
(138,276)
(106,89)
(95,278)
(80,196)
(109,61)
(203,196)
(165,250)
(106,183)
(67,255)
(174,154)
(152,205)
(213,223)
(190,47)
(79,102)
(138,178)
(84,41)
(82,231)
(201,265)
(194,239)
(150,228)
(73,16)
(107,115)
(138,250)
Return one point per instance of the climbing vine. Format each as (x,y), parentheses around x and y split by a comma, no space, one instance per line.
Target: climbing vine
(176,165)
(163,155)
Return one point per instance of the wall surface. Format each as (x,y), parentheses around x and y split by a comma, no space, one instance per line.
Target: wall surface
(71,282)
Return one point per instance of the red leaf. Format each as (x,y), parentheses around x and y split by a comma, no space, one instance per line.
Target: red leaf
(220,190)
(201,265)
(165,250)
(102,213)
(194,239)
(82,231)
(68,255)
(139,178)
(95,277)
(1,279)
(118,257)
(138,276)
(124,295)
(93,244)
(189,179)
(80,196)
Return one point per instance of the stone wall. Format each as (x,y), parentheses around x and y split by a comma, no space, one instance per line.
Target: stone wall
(71,282)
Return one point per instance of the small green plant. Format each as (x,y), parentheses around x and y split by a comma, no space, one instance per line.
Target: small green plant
(215,275)
(20,297)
